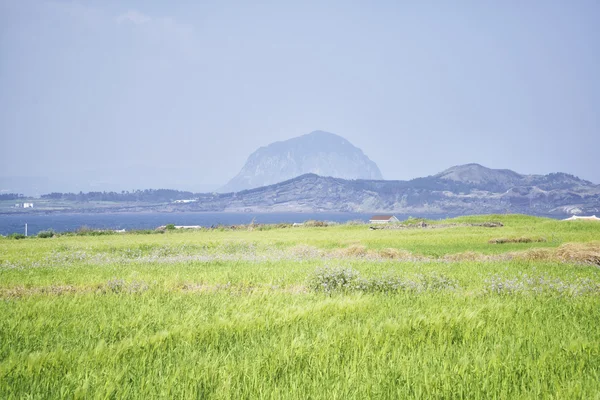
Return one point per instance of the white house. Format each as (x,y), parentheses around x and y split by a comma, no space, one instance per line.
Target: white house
(383,219)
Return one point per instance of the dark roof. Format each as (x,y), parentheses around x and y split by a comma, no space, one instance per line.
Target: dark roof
(381,217)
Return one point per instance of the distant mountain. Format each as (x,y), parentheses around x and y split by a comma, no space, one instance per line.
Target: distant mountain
(318,152)
(464,189)
(480,177)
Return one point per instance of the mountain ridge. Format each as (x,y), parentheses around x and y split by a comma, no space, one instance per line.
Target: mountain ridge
(476,189)
(473,173)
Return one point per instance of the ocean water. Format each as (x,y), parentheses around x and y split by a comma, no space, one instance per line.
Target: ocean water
(128,221)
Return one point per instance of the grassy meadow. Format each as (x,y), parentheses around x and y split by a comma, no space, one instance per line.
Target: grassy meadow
(450,310)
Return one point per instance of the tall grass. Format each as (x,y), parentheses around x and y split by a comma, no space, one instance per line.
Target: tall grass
(289,346)
(420,313)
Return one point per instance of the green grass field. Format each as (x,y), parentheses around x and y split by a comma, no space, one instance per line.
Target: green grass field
(337,312)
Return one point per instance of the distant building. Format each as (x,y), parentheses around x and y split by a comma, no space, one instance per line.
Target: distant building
(27,205)
(185,201)
(576,217)
(383,219)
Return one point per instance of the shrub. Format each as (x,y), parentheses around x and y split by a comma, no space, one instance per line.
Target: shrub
(312,223)
(144,232)
(438,282)
(330,280)
(98,233)
(45,234)
(386,284)
(170,227)
(115,285)
(342,280)
(540,284)
(415,221)
(16,236)
(84,229)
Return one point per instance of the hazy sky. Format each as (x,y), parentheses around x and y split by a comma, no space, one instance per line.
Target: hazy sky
(135,94)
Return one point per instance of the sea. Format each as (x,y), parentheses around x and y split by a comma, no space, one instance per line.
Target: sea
(15,223)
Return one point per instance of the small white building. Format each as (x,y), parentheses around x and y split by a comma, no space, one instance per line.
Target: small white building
(27,205)
(383,219)
(576,217)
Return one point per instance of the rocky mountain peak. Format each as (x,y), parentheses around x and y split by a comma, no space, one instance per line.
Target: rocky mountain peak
(318,152)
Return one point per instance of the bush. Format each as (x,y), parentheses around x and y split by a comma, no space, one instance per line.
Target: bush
(170,227)
(329,280)
(84,229)
(312,223)
(386,284)
(144,232)
(415,221)
(16,236)
(437,282)
(342,280)
(116,285)
(96,233)
(45,234)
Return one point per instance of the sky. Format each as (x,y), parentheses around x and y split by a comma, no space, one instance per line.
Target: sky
(121,95)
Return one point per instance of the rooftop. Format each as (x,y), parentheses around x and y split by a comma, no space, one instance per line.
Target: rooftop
(381,217)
